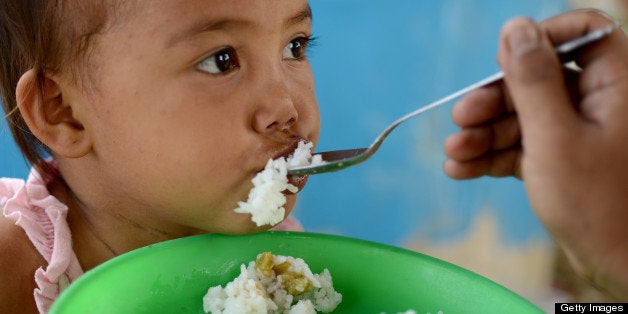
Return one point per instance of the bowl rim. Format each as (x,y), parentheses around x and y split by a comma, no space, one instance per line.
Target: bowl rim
(75,286)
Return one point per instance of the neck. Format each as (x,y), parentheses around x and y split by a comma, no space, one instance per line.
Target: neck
(101,233)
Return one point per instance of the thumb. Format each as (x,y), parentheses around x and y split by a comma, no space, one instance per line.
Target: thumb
(534,78)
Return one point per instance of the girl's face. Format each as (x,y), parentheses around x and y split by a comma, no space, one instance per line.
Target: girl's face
(191,98)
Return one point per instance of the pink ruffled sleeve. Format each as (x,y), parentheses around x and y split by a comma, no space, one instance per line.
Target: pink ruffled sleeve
(8,188)
(43,218)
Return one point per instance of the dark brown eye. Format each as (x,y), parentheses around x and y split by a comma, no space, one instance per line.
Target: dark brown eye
(222,61)
(296,48)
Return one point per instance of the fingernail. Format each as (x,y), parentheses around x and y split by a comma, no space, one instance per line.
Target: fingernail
(523,38)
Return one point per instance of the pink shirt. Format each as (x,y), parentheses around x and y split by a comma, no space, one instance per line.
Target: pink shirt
(43,218)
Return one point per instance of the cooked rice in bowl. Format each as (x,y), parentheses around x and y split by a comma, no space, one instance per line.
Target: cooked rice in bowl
(274,284)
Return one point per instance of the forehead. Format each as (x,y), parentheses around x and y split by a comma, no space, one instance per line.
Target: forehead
(179,18)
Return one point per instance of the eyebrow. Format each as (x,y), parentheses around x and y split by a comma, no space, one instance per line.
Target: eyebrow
(303,15)
(204,25)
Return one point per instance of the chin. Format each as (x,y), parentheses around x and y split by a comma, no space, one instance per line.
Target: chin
(290,201)
(242,225)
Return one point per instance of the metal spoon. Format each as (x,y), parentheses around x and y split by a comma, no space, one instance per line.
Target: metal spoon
(341,159)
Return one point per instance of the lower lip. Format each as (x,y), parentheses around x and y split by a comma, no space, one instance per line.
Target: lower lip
(298,181)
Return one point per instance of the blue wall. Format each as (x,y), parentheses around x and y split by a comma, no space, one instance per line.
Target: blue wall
(375,61)
(12,164)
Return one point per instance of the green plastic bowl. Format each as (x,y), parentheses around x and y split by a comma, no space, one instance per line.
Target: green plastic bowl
(173,276)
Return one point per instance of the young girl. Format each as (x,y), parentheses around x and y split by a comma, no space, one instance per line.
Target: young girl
(145,121)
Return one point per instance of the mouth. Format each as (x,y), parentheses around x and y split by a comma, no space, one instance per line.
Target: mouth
(265,198)
(289,149)
(297,181)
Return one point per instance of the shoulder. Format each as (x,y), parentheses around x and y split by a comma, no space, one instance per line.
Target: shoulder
(18,263)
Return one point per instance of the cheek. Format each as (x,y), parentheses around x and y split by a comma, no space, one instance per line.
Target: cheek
(170,157)
(307,106)
(314,118)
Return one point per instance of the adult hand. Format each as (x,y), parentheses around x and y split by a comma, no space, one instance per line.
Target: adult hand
(566,136)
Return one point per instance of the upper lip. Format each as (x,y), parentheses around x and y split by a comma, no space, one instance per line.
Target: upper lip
(285,150)
(289,149)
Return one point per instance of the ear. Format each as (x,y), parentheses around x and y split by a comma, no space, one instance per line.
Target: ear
(49,118)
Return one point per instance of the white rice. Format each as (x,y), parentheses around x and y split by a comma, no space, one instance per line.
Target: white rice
(255,291)
(266,199)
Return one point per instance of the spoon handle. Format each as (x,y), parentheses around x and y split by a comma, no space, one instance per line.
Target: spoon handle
(565,54)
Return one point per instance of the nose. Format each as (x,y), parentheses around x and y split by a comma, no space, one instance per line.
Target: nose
(276,111)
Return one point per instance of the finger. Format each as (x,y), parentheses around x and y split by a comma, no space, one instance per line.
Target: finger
(607,56)
(564,27)
(497,164)
(479,106)
(468,144)
(534,77)
(473,142)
